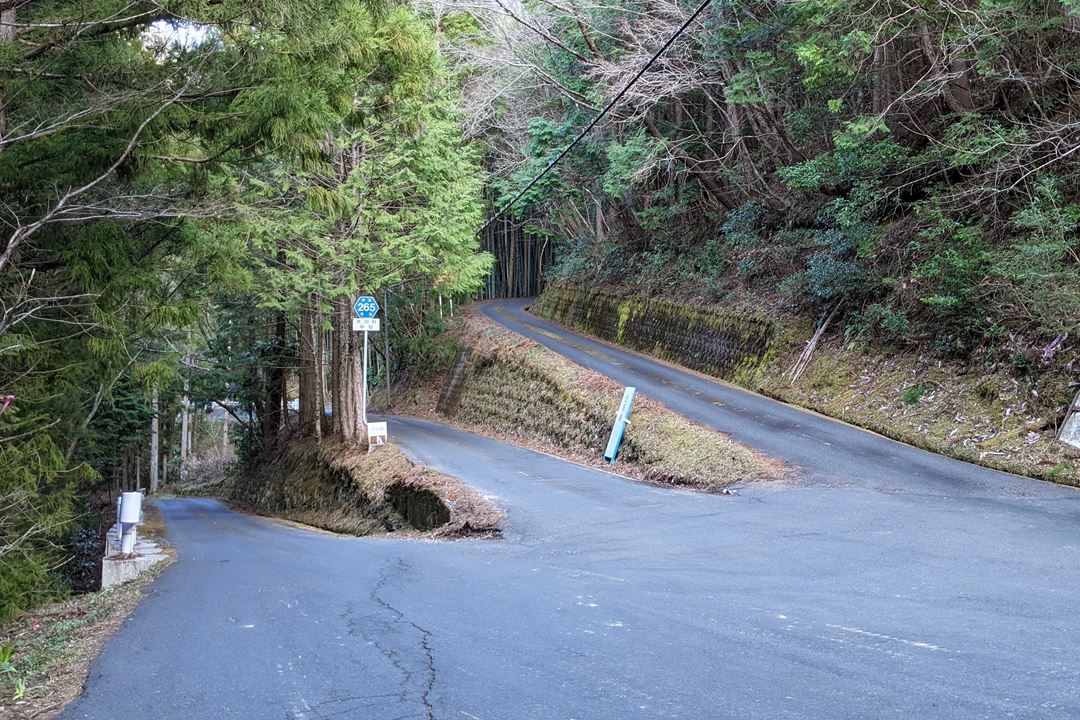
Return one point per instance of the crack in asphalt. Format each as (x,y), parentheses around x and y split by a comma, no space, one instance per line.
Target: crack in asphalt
(392,655)
(350,623)
(372,701)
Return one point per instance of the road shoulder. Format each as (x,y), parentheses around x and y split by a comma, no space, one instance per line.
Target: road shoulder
(53,646)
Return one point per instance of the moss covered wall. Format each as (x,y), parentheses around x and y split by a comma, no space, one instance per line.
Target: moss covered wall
(713,342)
(989,416)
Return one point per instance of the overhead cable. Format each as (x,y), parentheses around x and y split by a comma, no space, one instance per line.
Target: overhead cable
(607,108)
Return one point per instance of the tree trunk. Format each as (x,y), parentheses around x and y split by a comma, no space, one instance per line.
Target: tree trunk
(311,407)
(192,434)
(7,34)
(325,347)
(599,221)
(958,91)
(275,381)
(185,427)
(345,375)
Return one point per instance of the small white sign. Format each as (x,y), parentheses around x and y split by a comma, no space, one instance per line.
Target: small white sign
(376,433)
(1070,428)
(365,324)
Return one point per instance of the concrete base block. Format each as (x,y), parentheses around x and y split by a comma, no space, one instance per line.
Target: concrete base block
(116,570)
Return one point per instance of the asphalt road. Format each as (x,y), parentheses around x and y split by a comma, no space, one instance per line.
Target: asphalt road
(950,596)
(612,599)
(825,451)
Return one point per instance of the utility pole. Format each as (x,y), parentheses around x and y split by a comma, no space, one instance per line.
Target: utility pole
(154,449)
(185,427)
(386,341)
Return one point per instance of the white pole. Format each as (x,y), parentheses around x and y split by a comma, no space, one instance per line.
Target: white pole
(130,515)
(127,540)
(363,394)
(185,423)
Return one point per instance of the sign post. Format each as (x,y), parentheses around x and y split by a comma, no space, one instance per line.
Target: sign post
(619,428)
(366,308)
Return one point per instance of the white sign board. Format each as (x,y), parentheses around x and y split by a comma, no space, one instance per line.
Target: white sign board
(1070,429)
(376,433)
(365,324)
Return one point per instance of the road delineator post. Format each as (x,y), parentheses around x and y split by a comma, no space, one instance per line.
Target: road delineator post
(622,418)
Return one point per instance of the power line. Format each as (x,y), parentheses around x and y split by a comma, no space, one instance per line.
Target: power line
(602,113)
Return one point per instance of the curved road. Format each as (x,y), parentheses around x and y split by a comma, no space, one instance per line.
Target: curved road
(825,450)
(954,598)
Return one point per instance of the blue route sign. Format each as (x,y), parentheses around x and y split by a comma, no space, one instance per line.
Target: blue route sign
(366,307)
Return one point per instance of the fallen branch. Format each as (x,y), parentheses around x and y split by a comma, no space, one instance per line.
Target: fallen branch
(808,352)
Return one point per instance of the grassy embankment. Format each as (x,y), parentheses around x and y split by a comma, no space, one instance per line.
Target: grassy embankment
(344,489)
(988,414)
(518,390)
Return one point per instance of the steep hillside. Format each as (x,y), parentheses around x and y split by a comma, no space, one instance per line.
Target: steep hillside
(996,415)
(505,385)
(913,167)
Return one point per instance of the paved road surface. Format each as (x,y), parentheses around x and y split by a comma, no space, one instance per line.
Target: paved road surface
(893,583)
(824,450)
(612,599)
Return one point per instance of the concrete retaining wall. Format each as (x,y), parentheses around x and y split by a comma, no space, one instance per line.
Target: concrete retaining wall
(720,344)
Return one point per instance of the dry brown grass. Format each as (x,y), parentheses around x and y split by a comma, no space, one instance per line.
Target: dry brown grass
(518,390)
(985,416)
(344,489)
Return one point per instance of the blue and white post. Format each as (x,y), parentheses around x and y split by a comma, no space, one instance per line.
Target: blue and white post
(619,428)
(366,308)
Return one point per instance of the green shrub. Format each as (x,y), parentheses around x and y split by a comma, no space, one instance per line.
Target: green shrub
(830,277)
(36,497)
(913,394)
